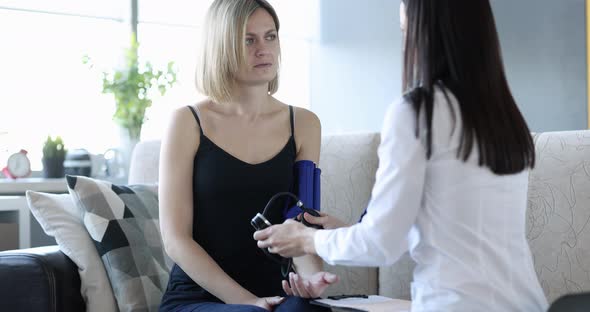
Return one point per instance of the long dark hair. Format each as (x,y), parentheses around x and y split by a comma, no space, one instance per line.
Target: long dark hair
(454,44)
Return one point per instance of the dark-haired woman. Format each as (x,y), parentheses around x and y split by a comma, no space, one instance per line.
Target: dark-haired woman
(453,174)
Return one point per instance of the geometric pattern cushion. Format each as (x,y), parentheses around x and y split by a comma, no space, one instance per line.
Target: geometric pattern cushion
(122,221)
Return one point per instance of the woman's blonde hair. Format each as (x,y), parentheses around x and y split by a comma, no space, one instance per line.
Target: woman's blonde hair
(223,50)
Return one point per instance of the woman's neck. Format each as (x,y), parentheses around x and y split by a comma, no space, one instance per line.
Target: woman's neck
(248,100)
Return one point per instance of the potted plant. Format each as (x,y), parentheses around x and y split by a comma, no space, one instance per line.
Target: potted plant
(54,154)
(132,86)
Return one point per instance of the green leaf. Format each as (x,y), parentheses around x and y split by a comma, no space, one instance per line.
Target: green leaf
(131,87)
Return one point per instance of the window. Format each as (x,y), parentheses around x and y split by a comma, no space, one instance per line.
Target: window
(47,90)
(104,9)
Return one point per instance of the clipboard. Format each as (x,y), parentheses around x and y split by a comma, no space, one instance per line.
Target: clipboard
(371,303)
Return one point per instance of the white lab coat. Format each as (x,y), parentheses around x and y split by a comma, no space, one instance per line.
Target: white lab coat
(463,225)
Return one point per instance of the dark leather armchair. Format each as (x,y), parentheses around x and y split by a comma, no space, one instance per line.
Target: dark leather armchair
(39,279)
(578,302)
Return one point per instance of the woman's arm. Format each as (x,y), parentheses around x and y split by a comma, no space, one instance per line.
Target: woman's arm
(179,146)
(310,281)
(308,137)
(380,238)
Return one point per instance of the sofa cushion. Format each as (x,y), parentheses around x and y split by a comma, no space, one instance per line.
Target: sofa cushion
(348,165)
(395,280)
(558,212)
(123,222)
(60,218)
(40,279)
(145,161)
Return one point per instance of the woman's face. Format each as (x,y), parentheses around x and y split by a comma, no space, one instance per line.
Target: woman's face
(262,48)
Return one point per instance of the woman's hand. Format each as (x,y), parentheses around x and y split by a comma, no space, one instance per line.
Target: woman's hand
(311,287)
(327,221)
(266,303)
(290,239)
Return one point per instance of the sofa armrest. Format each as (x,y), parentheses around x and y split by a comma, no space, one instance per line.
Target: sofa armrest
(39,279)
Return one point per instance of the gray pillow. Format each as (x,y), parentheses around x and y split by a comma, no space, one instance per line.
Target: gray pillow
(122,221)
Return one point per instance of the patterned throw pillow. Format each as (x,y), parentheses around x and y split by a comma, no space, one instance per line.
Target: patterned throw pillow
(123,223)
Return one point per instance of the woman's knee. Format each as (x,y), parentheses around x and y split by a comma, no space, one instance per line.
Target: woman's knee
(299,304)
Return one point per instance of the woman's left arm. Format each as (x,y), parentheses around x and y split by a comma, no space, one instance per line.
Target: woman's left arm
(308,137)
(310,281)
(380,238)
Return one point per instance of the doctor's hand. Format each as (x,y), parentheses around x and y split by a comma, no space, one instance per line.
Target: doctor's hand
(309,287)
(327,221)
(290,239)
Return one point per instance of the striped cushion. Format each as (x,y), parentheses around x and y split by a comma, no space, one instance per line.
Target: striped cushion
(123,223)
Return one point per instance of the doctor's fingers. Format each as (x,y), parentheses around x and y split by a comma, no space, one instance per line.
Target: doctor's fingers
(264,244)
(262,234)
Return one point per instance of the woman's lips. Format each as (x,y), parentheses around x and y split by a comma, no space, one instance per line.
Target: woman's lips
(263,65)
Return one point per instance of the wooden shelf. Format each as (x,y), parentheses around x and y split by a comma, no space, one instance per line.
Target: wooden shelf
(7,203)
(20,186)
(18,205)
(13,201)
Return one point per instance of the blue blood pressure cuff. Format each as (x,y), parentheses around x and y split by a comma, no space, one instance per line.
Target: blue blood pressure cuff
(306,186)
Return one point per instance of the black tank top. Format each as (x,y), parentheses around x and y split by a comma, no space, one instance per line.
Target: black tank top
(227,193)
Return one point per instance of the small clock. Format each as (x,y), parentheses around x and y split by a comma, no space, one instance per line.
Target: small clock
(18,165)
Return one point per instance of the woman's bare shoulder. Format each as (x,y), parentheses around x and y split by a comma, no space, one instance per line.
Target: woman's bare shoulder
(303,116)
(306,118)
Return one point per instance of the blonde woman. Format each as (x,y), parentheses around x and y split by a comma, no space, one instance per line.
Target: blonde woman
(221,161)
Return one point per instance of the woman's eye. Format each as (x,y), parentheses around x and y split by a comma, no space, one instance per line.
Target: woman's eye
(249,41)
(271,37)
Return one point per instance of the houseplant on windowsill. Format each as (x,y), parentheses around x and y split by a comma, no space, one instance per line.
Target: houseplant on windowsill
(133,86)
(54,154)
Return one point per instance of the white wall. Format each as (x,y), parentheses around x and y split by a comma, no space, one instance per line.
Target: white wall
(356,62)
(544,47)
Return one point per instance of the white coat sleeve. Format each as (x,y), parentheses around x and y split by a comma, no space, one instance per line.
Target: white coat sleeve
(381,237)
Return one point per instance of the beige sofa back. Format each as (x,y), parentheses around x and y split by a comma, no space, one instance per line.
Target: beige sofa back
(558,212)
(348,165)
(558,209)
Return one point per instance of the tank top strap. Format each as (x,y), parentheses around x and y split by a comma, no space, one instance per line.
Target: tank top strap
(292,120)
(196,118)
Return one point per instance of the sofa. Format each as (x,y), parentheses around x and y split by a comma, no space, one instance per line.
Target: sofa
(558,230)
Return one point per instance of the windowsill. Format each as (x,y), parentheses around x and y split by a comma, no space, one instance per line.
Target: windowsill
(20,186)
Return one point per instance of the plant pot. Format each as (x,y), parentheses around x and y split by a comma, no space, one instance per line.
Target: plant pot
(127,144)
(53,168)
